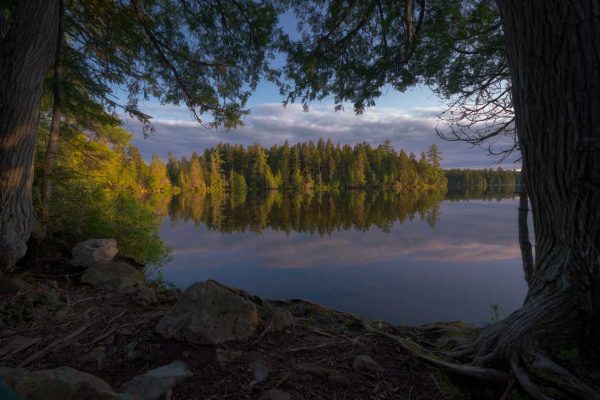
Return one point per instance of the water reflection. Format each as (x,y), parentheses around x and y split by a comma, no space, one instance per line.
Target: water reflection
(310,212)
(402,257)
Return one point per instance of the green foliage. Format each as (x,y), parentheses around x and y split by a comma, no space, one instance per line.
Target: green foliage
(238,188)
(99,193)
(158,179)
(209,56)
(352,51)
(302,167)
(155,277)
(483,178)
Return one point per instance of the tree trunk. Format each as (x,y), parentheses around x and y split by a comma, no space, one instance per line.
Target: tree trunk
(53,136)
(554,57)
(524,242)
(25,55)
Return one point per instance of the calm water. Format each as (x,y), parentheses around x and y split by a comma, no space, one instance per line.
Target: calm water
(412,258)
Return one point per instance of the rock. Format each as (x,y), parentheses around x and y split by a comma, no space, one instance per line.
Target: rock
(6,392)
(64,383)
(209,313)
(365,363)
(259,371)
(145,296)
(280,320)
(118,277)
(157,383)
(275,394)
(11,376)
(94,251)
(225,357)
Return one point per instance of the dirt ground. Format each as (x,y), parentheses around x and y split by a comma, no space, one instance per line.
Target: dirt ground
(112,336)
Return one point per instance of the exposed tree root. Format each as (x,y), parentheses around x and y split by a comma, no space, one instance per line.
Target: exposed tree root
(517,347)
(485,374)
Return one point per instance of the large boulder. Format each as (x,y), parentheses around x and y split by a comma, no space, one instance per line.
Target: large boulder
(94,251)
(210,313)
(157,384)
(280,320)
(62,383)
(118,277)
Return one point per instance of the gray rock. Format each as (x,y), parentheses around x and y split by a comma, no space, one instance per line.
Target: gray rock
(259,371)
(280,320)
(209,313)
(157,383)
(64,383)
(145,296)
(365,363)
(275,394)
(118,277)
(11,376)
(94,251)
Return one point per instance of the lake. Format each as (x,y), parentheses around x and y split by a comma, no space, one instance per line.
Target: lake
(408,258)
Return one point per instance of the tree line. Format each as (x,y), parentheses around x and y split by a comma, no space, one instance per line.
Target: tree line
(483,177)
(307,166)
(302,166)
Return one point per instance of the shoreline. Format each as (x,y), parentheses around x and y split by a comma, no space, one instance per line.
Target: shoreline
(112,336)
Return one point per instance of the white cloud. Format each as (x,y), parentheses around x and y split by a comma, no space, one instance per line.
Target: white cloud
(412,130)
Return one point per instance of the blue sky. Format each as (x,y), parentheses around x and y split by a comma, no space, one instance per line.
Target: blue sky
(407,119)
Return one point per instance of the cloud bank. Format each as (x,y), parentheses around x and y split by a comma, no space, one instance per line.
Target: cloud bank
(412,130)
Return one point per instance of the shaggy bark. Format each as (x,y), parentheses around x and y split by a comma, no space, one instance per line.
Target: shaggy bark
(54,134)
(554,56)
(25,55)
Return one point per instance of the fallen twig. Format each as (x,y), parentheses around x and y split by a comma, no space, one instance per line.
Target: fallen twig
(24,346)
(330,343)
(107,334)
(264,332)
(320,332)
(57,343)
(113,319)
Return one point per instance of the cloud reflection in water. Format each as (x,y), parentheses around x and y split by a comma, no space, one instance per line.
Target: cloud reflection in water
(409,272)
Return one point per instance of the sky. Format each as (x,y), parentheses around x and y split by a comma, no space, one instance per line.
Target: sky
(407,119)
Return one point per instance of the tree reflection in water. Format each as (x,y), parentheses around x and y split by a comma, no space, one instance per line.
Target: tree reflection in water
(316,212)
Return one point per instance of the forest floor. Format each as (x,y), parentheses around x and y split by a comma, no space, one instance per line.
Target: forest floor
(58,322)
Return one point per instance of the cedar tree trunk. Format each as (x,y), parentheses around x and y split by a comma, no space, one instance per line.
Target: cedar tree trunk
(26,52)
(54,134)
